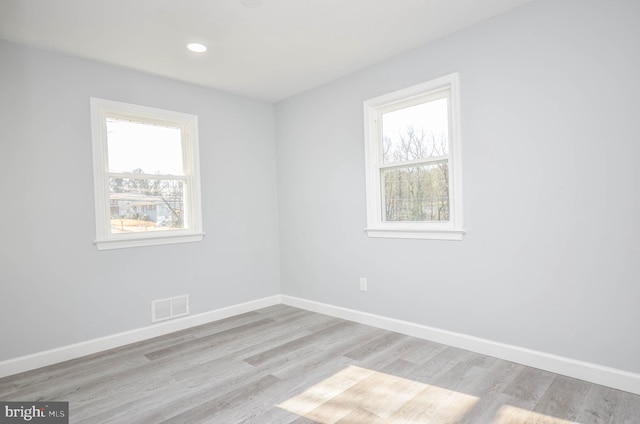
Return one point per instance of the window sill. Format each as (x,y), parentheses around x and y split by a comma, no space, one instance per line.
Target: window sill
(148,241)
(415,233)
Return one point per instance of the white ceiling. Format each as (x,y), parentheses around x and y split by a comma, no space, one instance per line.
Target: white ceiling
(262,49)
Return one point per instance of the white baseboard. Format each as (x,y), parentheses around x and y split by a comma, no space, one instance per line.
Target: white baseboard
(65,353)
(610,377)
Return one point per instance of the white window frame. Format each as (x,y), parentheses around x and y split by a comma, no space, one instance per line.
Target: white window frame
(373,110)
(101,109)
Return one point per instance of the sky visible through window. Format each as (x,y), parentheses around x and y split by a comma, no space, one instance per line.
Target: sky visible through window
(430,117)
(153,149)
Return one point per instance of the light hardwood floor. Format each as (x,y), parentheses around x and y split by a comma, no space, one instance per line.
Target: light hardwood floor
(285,365)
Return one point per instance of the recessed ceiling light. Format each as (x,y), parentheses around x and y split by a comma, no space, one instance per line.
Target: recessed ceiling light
(197,47)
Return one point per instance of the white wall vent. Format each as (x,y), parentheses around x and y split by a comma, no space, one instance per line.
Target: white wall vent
(171,307)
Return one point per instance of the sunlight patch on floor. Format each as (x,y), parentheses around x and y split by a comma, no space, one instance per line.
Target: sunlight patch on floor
(357,394)
(508,414)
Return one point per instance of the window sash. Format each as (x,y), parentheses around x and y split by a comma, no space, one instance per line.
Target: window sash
(444,87)
(173,205)
(130,175)
(402,164)
(422,196)
(101,110)
(381,165)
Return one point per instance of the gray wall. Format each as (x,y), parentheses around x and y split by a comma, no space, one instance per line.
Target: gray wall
(551,141)
(56,288)
(551,137)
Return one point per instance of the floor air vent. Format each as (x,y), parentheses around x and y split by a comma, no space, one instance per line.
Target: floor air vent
(172,307)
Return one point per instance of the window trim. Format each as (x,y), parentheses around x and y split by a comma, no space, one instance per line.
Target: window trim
(373,109)
(101,109)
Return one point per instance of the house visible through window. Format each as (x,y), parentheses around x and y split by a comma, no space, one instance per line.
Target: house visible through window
(146,175)
(412,147)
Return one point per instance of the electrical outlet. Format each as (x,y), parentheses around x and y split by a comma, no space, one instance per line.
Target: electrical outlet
(363,284)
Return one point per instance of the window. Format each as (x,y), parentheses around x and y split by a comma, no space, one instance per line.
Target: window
(146,175)
(413,167)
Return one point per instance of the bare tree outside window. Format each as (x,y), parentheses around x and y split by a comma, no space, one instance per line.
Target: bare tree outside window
(415,185)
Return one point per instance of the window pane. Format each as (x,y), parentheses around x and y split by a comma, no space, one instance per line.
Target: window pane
(146,205)
(416,132)
(144,148)
(416,193)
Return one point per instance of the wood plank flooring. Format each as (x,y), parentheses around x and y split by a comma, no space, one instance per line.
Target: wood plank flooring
(285,365)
